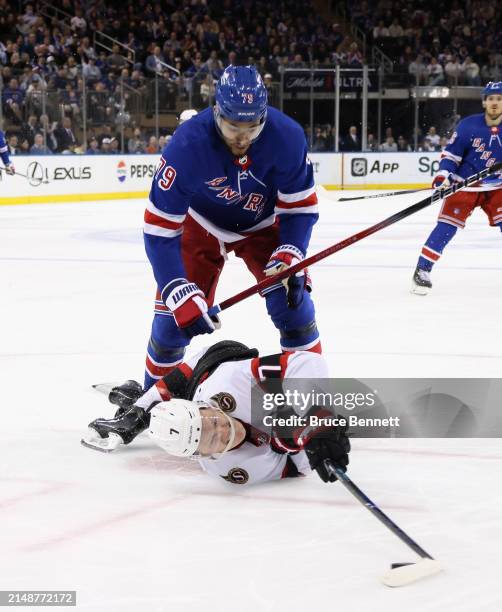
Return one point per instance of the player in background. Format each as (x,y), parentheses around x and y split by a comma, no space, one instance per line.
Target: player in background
(475,145)
(234,178)
(203,408)
(4,155)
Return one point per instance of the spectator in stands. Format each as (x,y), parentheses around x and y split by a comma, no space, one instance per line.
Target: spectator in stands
(153,61)
(389,145)
(153,145)
(114,146)
(24,146)
(492,71)
(371,143)
(351,142)
(38,147)
(432,138)
(418,70)
(48,128)
(136,144)
(396,29)
(93,148)
(29,129)
(320,140)
(471,71)
(402,144)
(13,145)
(65,136)
(207,90)
(434,72)
(12,101)
(454,71)
(354,56)
(380,31)
(105,146)
(91,72)
(116,61)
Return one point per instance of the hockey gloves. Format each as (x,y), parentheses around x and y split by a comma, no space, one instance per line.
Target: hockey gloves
(324,440)
(444,179)
(9,169)
(189,307)
(284,257)
(332,444)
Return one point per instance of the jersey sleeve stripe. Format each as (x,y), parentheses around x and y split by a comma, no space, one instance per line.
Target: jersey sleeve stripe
(296,197)
(3,149)
(154,230)
(160,213)
(311,210)
(154,219)
(310,200)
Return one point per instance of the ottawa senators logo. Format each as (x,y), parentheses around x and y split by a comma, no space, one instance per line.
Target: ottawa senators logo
(237,476)
(225,401)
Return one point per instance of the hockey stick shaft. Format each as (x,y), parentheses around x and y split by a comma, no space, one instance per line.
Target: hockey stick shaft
(272,280)
(30,178)
(364,500)
(384,195)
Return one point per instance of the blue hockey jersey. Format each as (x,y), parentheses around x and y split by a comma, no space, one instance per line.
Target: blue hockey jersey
(4,150)
(230,197)
(474,146)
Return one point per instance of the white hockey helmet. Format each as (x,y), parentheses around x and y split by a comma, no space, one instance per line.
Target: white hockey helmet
(178,427)
(186,115)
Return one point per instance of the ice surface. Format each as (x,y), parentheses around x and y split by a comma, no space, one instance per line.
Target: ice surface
(139,531)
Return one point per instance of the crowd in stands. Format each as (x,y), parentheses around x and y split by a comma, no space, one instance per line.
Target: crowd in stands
(435,43)
(323,139)
(47,62)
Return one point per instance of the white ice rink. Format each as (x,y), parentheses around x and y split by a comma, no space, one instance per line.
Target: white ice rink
(139,531)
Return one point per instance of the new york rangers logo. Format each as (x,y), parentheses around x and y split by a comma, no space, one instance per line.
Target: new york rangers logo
(216,182)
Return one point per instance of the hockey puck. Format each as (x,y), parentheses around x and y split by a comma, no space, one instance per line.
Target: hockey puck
(395,565)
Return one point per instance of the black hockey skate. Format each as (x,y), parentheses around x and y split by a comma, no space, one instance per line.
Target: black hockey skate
(421,282)
(108,434)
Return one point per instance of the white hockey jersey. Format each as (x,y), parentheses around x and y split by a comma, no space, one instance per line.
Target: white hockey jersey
(254,460)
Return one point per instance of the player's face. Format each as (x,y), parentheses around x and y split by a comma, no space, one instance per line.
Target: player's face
(216,432)
(493,106)
(238,135)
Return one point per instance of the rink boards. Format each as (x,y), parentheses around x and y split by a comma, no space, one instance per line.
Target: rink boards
(77,178)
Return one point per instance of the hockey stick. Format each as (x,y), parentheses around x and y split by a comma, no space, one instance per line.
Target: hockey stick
(36,180)
(400,574)
(439,194)
(384,195)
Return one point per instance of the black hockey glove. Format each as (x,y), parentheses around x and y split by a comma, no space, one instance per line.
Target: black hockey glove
(324,440)
(332,443)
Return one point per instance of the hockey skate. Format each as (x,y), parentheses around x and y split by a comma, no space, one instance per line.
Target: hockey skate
(106,435)
(421,282)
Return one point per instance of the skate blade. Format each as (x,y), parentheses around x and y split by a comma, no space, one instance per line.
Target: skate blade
(418,290)
(105,388)
(105,445)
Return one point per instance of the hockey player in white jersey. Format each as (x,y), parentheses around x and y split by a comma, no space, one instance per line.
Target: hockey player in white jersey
(204,409)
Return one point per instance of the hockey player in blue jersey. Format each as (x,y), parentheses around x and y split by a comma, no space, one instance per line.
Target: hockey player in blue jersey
(4,155)
(235,178)
(475,145)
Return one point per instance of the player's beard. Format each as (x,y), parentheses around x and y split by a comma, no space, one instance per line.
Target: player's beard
(238,149)
(494,115)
